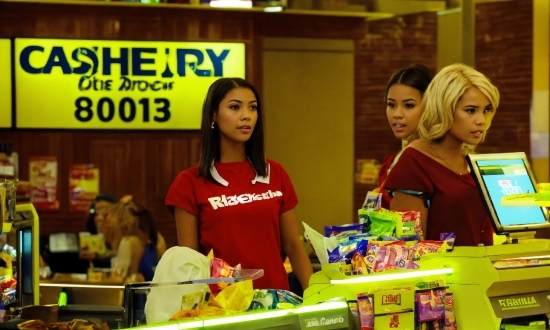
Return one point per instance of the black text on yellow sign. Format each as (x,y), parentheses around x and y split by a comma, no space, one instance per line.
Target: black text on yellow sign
(5,83)
(93,84)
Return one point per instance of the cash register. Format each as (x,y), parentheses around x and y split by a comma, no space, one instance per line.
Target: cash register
(508,283)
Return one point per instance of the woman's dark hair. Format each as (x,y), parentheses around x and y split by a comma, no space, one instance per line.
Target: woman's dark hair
(210,137)
(417,76)
(146,223)
(102,196)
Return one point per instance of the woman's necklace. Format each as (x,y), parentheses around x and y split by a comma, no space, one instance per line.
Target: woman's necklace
(437,154)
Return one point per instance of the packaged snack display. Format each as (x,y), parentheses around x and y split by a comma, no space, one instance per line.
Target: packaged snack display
(394,309)
(450,320)
(365,311)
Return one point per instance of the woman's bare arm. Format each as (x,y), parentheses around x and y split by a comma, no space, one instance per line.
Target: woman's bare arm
(187,226)
(294,249)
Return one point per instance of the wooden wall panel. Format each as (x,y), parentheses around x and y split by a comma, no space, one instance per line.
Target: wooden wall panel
(112,157)
(388,45)
(504,52)
(143,163)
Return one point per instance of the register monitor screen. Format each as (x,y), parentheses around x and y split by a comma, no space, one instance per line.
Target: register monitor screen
(502,174)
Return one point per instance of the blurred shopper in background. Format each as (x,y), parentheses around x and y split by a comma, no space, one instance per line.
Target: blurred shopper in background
(140,245)
(98,225)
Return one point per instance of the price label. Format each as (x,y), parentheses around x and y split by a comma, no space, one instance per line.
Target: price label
(97,84)
(5,83)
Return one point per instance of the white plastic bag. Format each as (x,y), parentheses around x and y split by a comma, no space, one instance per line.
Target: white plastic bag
(317,240)
(178,264)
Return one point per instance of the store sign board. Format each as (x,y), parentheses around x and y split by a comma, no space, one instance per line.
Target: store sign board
(98,84)
(521,305)
(5,83)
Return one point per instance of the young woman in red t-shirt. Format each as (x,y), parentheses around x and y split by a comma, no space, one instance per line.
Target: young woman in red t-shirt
(403,108)
(236,202)
(432,175)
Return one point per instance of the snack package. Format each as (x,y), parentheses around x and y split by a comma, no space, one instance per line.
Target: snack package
(364,219)
(219,268)
(411,223)
(448,238)
(424,305)
(381,228)
(391,256)
(358,263)
(438,310)
(288,297)
(373,200)
(450,320)
(8,296)
(236,297)
(372,251)
(352,228)
(424,247)
(366,314)
(264,300)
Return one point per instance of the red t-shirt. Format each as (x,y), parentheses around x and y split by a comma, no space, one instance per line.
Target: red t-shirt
(240,220)
(455,204)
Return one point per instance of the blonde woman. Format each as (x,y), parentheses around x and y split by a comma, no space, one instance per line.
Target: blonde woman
(140,246)
(432,175)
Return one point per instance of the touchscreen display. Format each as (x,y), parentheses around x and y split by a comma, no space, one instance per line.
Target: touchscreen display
(507,177)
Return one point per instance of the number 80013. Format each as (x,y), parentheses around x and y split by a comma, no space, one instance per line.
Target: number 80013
(127,109)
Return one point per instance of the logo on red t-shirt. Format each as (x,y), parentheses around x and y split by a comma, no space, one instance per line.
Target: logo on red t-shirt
(223,200)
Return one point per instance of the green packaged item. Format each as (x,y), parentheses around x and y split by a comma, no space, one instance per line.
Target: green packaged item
(364,219)
(387,216)
(381,228)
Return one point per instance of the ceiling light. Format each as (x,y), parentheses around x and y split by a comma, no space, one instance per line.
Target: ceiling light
(231,4)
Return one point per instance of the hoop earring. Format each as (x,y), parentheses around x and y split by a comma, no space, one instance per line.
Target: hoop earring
(212,126)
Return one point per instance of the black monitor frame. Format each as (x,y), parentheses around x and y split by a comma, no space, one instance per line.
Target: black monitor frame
(488,202)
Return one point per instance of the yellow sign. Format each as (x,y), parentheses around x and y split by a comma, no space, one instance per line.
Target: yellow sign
(5,83)
(516,303)
(98,84)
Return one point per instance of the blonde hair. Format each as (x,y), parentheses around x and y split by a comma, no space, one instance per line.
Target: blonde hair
(444,92)
(129,219)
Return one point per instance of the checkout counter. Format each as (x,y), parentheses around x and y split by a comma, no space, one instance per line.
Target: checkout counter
(491,285)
